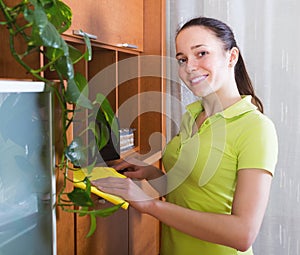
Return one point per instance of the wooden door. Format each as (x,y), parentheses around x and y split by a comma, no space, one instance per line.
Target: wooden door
(117,23)
(110,237)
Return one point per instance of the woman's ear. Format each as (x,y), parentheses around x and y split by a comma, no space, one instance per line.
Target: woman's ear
(234,56)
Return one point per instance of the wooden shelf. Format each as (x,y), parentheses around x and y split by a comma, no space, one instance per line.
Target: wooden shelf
(115,72)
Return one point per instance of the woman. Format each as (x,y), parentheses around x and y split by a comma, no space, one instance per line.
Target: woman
(220,165)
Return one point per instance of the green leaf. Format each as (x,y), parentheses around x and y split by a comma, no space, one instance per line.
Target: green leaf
(108,113)
(88,185)
(101,131)
(76,152)
(101,213)
(107,211)
(80,197)
(83,211)
(51,38)
(43,31)
(77,91)
(93,225)
(53,54)
(59,14)
(74,54)
(88,53)
(64,66)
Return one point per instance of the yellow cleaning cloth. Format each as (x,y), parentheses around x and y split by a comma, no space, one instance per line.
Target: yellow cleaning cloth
(97,173)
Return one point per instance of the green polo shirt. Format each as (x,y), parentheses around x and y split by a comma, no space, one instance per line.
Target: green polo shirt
(202,168)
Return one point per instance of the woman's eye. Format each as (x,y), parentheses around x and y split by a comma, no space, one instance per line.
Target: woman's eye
(181,61)
(202,53)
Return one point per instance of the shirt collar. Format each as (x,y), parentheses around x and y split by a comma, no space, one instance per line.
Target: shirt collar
(241,107)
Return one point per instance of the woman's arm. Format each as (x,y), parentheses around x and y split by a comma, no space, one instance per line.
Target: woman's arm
(237,230)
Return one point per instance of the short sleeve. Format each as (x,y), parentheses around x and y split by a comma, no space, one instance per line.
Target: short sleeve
(257,147)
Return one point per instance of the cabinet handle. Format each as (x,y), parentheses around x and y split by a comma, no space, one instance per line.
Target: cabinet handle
(127,45)
(81,33)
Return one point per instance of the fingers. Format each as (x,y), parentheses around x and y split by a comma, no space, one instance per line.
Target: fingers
(132,161)
(111,185)
(136,162)
(135,174)
(124,188)
(130,164)
(109,182)
(122,165)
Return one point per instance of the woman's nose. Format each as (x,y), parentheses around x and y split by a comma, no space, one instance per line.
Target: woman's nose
(191,66)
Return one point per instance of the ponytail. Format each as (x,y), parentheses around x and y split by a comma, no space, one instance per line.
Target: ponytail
(244,83)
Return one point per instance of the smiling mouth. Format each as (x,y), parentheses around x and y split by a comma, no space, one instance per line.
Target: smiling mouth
(198,79)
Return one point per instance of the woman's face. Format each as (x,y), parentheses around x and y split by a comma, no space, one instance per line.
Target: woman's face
(204,66)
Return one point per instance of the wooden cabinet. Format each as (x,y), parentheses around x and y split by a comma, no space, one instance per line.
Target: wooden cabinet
(115,72)
(114,22)
(133,82)
(111,235)
(121,74)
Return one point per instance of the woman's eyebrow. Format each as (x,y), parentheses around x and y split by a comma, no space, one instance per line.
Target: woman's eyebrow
(179,54)
(197,46)
(192,48)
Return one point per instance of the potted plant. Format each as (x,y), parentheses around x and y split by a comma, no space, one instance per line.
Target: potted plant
(40,24)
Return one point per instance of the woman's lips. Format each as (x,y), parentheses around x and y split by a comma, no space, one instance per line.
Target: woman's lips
(198,79)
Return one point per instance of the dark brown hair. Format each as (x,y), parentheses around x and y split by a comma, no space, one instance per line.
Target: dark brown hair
(225,34)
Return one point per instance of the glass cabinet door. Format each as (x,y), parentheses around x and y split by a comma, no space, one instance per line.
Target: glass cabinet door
(27,182)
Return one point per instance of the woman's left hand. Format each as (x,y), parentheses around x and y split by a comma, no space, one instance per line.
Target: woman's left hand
(125,188)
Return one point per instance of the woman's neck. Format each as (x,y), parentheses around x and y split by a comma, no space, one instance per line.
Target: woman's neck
(219,101)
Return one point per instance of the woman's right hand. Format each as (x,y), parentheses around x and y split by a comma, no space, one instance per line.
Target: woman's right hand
(136,169)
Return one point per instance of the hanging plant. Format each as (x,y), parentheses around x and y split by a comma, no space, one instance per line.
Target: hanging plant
(39,24)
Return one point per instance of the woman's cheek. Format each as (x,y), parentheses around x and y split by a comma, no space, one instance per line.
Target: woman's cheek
(182,75)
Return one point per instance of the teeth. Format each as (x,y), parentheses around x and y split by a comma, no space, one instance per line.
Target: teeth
(198,79)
